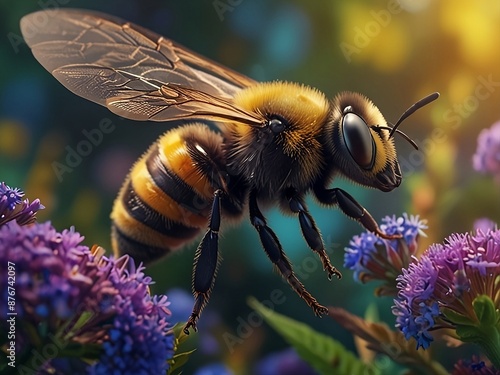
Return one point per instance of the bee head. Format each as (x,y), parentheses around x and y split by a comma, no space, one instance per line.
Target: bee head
(362,141)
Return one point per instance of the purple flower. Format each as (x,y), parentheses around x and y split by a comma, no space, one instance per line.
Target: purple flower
(140,340)
(374,258)
(54,274)
(65,291)
(487,156)
(286,362)
(485,224)
(214,369)
(447,277)
(12,207)
(10,197)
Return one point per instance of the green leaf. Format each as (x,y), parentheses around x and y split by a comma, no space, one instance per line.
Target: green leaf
(485,311)
(180,336)
(77,350)
(485,332)
(178,361)
(83,319)
(180,358)
(468,333)
(323,353)
(456,318)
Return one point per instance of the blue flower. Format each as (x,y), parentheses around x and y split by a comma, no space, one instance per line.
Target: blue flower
(286,362)
(140,340)
(136,344)
(213,369)
(374,258)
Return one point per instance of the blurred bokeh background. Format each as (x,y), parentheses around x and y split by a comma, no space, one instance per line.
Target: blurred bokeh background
(393,52)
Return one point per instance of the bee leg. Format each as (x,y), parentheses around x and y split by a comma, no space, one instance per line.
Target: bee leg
(275,253)
(311,232)
(353,209)
(206,263)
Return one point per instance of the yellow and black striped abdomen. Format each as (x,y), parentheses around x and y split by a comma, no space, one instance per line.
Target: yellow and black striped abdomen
(165,200)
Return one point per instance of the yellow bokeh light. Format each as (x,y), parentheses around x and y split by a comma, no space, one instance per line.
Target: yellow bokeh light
(460,86)
(376,36)
(14,139)
(475,25)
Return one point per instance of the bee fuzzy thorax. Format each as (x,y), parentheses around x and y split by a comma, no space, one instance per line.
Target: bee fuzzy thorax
(304,108)
(295,153)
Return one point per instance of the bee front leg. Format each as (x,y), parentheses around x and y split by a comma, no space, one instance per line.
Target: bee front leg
(353,209)
(311,232)
(206,263)
(276,254)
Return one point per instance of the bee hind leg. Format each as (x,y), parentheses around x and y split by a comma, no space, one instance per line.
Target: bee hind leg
(206,262)
(311,232)
(276,254)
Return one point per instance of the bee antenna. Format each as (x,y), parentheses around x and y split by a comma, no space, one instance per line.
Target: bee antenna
(421,103)
(411,141)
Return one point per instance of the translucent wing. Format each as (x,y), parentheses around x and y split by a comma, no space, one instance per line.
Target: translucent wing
(134,72)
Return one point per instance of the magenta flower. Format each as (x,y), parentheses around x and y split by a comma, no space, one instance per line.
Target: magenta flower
(454,285)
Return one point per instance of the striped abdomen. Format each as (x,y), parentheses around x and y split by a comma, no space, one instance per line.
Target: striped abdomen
(165,200)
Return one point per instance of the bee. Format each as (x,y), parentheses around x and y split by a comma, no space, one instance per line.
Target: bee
(275,142)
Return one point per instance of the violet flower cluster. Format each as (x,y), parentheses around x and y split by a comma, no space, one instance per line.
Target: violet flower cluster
(375,258)
(71,299)
(453,285)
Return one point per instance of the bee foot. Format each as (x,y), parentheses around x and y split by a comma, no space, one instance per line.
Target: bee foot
(320,310)
(191,323)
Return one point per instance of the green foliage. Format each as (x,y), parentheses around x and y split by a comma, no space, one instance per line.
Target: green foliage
(322,352)
(486,331)
(180,358)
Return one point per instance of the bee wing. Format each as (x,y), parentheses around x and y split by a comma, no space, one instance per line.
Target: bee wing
(134,72)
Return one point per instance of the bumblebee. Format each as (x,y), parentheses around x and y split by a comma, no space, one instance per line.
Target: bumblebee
(275,143)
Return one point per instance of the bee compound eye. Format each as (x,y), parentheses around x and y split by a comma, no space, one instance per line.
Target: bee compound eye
(358,140)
